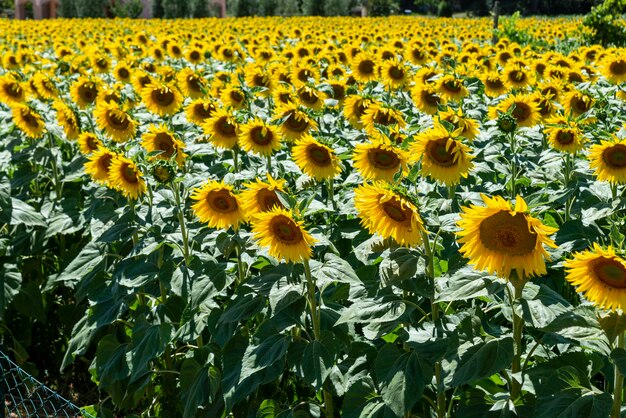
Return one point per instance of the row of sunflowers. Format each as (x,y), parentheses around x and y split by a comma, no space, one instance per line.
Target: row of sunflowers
(314,217)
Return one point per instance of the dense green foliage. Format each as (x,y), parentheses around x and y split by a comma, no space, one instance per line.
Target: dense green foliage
(604,24)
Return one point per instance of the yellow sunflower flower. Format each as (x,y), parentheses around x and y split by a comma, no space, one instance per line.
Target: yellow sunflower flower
(444,158)
(161,139)
(284,237)
(217,205)
(84,91)
(67,119)
(379,160)
(191,84)
(259,138)
(295,122)
(381,114)
(12,91)
(577,102)
(161,98)
(564,135)
(28,121)
(613,67)
(389,214)
(99,164)
(522,107)
(608,159)
(354,108)
(426,98)
(114,121)
(260,196)
(315,159)
(124,175)
(222,128)
(494,85)
(451,88)
(364,67)
(502,239)
(463,126)
(199,110)
(600,275)
(88,142)
(395,74)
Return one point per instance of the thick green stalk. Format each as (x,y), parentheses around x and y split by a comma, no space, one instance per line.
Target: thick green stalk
(315,319)
(618,384)
(430,272)
(240,270)
(513,144)
(183,226)
(331,193)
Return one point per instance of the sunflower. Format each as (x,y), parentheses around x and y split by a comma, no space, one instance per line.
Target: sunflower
(284,94)
(284,237)
(613,67)
(494,85)
(517,77)
(222,128)
(99,164)
(608,159)
(191,84)
(463,126)
(315,159)
(339,91)
(259,77)
(88,142)
(260,196)
(381,114)
(233,96)
(451,88)
(388,213)
(45,86)
(124,175)
(295,122)
(565,136)
(115,122)
(161,139)
(84,91)
(379,160)
(364,67)
(28,121)
(310,97)
(522,107)
(258,137)
(501,240)
(217,205)
(67,119)
(199,110)
(141,79)
(122,71)
(395,74)
(426,98)
(577,102)
(444,158)
(354,108)
(161,98)
(600,275)
(11,90)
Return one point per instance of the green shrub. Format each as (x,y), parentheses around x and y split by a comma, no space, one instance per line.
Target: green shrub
(337,7)
(288,8)
(444,9)
(603,25)
(382,7)
(127,8)
(314,7)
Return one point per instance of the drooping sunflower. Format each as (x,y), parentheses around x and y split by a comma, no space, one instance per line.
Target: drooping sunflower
(354,108)
(88,142)
(521,106)
(613,67)
(67,119)
(295,121)
(564,135)
(502,239)
(161,139)
(45,85)
(365,67)
(200,110)
(12,90)
(161,98)
(115,122)
(28,120)
(124,175)
(217,205)
(258,137)
(600,274)
(380,160)
(444,157)
(315,159)
(84,91)
(577,102)
(222,128)
(191,83)
(260,196)
(494,85)
(451,88)
(381,114)
(284,237)
(608,159)
(99,164)
(388,213)
(426,98)
(463,125)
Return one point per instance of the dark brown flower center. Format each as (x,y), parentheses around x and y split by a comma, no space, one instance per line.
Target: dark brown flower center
(222,201)
(104,162)
(431,99)
(297,122)
(615,156)
(383,159)
(88,92)
(618,67)
(225,128)
(260,135)
(129,173)
(319,155)
(163,96)
(366,67)
(439,154)
(286,230)
(267,199)
(508,234)
(394,209)
(165,143)
(396,73)
(203,110)
(521,111)
(565,137)
(117,119)
(123,73)
(610,272)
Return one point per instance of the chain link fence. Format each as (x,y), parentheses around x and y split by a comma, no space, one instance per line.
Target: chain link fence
(26,397)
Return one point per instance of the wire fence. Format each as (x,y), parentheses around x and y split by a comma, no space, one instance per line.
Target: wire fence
(24,396)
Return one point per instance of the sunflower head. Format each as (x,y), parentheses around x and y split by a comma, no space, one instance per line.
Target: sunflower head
(217,205)
(316,159)
(28,120)
(88,142)
(124,175)
(191,84)
(389,213)
(284,237)
(114,121)
(99,164)
(199,110)
(84,91)
(502,239)
(380,160)
(521,107)
(161,98)
(222,128)
(260,196)
(600,274)
(160,140)
(258,137)
(608,159)
(295,122)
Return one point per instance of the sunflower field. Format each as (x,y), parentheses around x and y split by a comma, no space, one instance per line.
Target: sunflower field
(306,217)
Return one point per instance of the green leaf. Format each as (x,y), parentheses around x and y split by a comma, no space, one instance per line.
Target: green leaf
(148,342)
(265,354)
(22,213)
(11,280)
(29,301)
(574,403)
(88,260)
(618,356)
(467,283)
(111,365)
(198,385)
(613,324)
(361,400)
(477,361)
(373,311)
(334,269)
(315,364)
(269,409)
(401,265)
(544,307)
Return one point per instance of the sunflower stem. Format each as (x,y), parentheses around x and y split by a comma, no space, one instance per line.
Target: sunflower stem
(235,160)
(518,326)
(181,220)
(315,319)
(566,179)
(58,187)
(331,193)
(430,272)
(618,384)
(133,210)
(240,270)
(513,163)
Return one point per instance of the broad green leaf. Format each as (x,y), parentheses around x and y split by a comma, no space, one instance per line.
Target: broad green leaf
(198,385)
(89,259)
(111,364)
(148,342)
(467,283)
(11,280)
(574,403)
(265,354)
(479,360)
(373,311)
(618,356)
(546,305)
(21,213)
(315,364)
